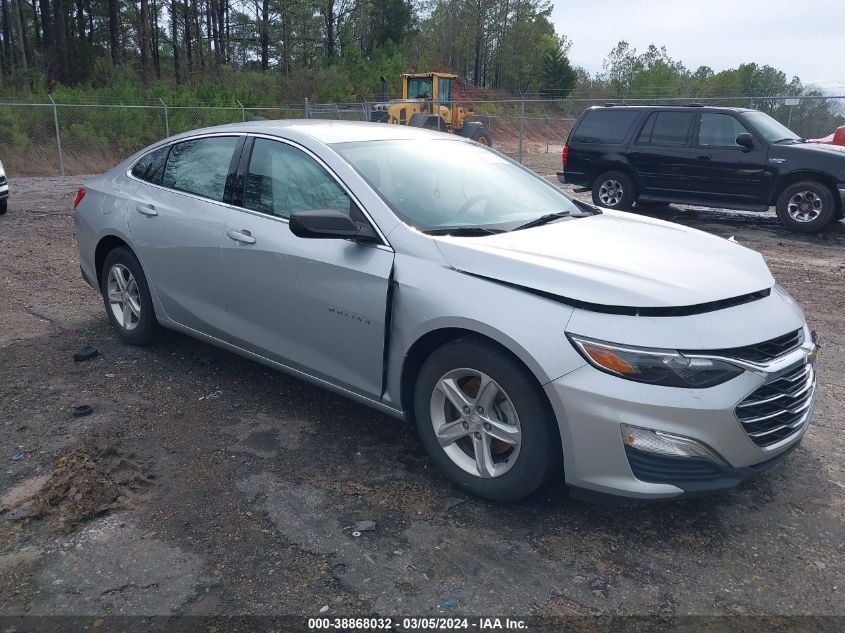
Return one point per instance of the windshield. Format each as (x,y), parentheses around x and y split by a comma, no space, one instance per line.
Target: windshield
(419,88)
(440,184)
(770,129)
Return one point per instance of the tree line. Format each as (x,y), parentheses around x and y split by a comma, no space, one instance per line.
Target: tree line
(500,44)
(271,51)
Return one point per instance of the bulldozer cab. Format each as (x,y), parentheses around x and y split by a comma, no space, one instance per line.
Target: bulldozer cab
(436,87)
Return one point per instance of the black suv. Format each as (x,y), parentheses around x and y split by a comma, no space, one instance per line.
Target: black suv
(733,158)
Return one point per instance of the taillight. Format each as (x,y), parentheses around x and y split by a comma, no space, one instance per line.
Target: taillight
(79,195)
(565,156)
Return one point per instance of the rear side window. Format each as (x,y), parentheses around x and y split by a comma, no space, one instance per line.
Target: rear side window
(200,166)
(666,128)
(151,166)
(605,126)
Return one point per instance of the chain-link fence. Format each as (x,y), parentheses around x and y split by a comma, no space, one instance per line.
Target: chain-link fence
(41,139)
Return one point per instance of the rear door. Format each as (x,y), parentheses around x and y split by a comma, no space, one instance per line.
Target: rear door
(726,173)
(316,305)
(660,153)
(177,222)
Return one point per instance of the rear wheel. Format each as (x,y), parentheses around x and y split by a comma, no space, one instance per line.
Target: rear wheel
(806,207)
(485,422)
(614,190)
(126,297)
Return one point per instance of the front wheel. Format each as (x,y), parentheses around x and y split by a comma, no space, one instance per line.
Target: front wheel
(806,207)
(484,421)
(614,190)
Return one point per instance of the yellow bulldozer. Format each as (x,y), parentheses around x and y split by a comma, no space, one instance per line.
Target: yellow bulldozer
(427,102)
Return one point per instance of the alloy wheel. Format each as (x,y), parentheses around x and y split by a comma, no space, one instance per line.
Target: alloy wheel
(804,206)
(475,423)
(611,193)
(124,297)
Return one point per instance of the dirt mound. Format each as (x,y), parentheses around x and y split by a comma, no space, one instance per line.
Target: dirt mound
(87,481)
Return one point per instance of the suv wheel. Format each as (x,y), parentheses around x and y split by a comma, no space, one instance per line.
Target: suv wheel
(806,207)
(484,421)
(614,190)
(126,296)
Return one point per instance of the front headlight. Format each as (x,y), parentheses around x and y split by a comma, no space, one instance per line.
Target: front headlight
(667,368)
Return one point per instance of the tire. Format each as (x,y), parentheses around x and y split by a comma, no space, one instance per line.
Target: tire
(616,188)
(515,468)
(806,207)
(4,205)
(143,328)
(477,132)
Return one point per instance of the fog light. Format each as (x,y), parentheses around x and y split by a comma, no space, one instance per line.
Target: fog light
(665,443)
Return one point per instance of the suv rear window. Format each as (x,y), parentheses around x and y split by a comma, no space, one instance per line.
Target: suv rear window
(605,126)
(666,128)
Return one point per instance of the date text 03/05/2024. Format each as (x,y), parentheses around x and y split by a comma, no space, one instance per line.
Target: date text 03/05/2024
(417,623)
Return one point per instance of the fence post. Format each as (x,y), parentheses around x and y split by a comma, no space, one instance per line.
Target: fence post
(58,136)
(548,132)
(367,116)
(243,114)
(306,109)
(166,119)
(521,125)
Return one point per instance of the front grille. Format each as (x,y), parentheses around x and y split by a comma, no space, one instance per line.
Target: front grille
(779,408)
(762,352)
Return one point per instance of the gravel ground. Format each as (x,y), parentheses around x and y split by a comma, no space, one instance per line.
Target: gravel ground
(204,483)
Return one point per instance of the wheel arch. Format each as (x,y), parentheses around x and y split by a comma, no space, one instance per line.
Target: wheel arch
(105,245)
(806,175)
(615,164)
(426,344)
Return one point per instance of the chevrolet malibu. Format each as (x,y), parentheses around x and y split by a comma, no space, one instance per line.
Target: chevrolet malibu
(526,334)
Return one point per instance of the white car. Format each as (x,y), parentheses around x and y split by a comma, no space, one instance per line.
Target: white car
(4,190)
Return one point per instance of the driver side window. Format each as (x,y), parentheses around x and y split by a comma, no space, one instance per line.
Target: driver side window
(282,180)
(719,130)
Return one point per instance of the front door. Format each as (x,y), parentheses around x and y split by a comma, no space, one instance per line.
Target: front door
(316,305)
(177,221)
(726,173)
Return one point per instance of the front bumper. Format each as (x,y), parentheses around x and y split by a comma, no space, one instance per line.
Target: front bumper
(591,406)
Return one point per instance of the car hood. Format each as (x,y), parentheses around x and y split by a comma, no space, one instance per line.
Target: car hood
(816,148)
(614,259)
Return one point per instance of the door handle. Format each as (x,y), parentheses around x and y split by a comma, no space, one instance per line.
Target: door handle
(705,157)
(146,209)
(244,237)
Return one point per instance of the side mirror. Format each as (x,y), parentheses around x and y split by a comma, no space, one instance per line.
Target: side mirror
(328,224)
(745,140)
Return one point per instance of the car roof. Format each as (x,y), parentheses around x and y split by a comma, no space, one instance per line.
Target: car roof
(688,106)
(329,132)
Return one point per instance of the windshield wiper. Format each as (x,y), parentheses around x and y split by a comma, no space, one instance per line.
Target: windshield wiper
(543,219)
(783,140)
(463,231)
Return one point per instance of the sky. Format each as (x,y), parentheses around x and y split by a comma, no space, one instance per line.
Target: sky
(801,37)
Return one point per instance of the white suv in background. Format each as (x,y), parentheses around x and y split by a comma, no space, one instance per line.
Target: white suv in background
(4,190)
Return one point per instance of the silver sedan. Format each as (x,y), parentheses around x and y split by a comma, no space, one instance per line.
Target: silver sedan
(527,335)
